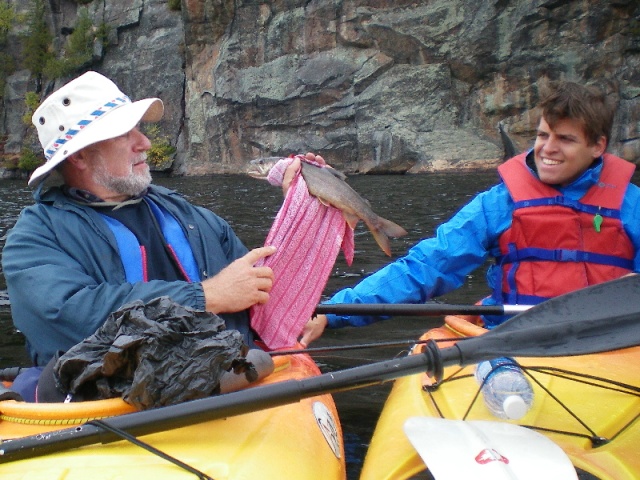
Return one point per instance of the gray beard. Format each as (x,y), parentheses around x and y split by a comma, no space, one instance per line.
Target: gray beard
(131,185)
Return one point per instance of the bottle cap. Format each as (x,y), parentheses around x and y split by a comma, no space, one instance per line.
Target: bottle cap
(514,407)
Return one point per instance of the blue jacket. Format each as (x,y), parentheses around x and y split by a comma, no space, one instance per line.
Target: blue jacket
(439,265)
(64,274)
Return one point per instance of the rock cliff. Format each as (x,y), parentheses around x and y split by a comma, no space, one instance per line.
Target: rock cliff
(373,85)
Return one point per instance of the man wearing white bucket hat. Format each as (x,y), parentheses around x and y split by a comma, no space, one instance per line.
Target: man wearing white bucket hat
(87,110)
(107,236)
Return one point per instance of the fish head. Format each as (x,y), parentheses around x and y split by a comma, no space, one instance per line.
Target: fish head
(260,167)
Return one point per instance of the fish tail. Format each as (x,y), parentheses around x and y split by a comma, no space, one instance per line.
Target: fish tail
(385,229)
(382,240)
(392,229)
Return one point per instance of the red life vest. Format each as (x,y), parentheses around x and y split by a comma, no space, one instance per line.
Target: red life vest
(556,245)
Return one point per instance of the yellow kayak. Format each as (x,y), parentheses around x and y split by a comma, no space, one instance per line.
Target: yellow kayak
(588,405)
(301,440)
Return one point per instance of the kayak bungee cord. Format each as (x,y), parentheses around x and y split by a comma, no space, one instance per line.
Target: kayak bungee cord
(591,380)
(130,438)
(338,348)
(583,378)
(606,383)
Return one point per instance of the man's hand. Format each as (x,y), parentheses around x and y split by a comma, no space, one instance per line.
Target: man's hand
(313,330)
(240,285)
(290,172)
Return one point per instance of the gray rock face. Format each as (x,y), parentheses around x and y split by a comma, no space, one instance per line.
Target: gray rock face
(374,86)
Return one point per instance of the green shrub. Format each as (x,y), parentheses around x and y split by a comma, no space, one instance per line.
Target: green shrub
(28,160)
(32,100)
(7,67)
(78,51)
(175,5)
(7,18)
(37,40)
(102,33)
(161,150)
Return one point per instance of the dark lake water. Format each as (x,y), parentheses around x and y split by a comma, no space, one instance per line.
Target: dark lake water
(417,202)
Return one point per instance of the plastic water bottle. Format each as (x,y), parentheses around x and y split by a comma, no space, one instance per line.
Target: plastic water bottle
(506,391)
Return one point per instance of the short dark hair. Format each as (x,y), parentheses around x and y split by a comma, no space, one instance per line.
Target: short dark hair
(586,104)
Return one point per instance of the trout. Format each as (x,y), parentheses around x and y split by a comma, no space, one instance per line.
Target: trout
(328,185)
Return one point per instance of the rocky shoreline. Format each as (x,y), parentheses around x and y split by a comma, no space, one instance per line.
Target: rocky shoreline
(375,87)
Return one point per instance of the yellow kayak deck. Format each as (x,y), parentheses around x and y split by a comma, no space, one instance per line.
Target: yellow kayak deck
(302,440)
(589,405)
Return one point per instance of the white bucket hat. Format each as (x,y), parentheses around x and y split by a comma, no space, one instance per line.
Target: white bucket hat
(85,111)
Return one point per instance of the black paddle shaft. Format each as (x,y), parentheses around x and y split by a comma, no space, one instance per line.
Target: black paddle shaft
(417,310)
(573,324)
(213,408)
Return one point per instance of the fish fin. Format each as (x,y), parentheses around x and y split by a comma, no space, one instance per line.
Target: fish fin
(324,202)
(351,219)
(336,173)
(385,229)
(391,229)
(382,240)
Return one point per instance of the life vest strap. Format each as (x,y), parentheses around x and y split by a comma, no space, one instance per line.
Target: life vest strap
(567,202)
(129,249)
(533,254)
(514,298)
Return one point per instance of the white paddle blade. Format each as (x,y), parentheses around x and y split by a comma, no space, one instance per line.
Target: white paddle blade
(454,449)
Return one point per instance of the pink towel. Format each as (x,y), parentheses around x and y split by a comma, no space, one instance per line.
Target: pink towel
(308,236)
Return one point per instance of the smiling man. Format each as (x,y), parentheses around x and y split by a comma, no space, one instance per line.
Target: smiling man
(565,216)
(573,133)
(106,236)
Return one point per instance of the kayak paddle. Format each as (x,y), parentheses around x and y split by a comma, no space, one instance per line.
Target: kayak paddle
(486,450)
(417,310)
(595,319)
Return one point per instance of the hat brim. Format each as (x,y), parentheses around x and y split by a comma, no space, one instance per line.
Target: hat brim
(112,124)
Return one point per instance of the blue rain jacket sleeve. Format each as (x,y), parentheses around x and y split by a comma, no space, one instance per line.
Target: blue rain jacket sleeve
(439,265)
(65,276)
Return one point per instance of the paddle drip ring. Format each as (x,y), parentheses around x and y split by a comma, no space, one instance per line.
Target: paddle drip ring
(436,369)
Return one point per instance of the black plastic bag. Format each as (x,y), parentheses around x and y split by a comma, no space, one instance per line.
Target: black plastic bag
(152,355)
